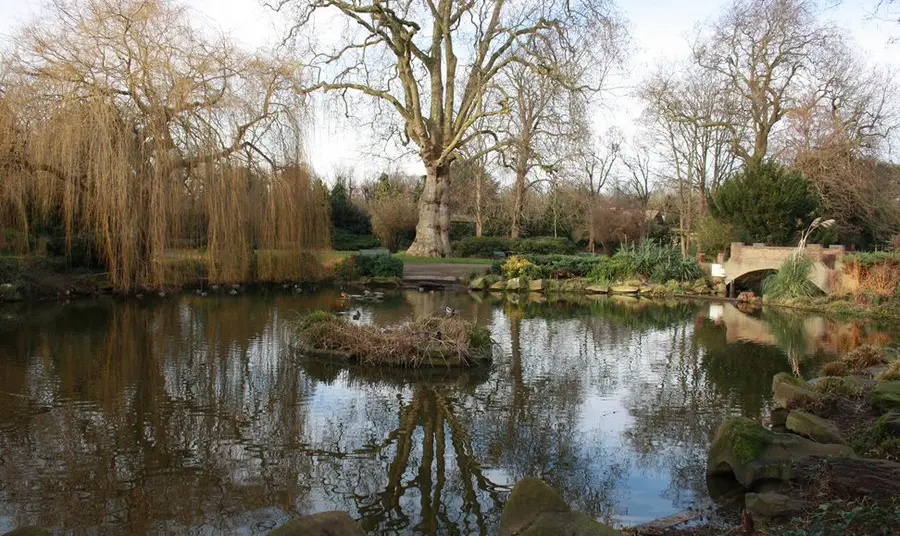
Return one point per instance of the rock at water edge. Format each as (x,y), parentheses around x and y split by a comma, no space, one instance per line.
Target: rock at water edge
(479,283)
(755,454)
(323,524)
(535,509)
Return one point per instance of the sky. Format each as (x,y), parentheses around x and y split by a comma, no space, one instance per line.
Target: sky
(660,33)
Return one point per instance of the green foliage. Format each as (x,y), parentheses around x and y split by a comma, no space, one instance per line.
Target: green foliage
(343,240)
(565,266)
(317,317)
(347,269)
(714,235)
(351,227)
(485,246)
(612,269)
(868,259)
(791,281)
(379,265)
(767,203)
(647,260)
(846,518)
(83,251)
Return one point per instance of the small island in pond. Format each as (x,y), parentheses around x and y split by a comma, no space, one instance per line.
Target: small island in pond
(427,342)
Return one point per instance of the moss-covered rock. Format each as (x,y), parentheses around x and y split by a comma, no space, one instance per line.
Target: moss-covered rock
(813,427)
(771,505)
(596,289)
(886,396)
(535,509)
(754,453)
(323,524)
(536,285)
(789,390)
(499,285)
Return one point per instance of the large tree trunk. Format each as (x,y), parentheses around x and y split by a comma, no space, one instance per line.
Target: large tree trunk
(516,227)
(479,220)
(433,229)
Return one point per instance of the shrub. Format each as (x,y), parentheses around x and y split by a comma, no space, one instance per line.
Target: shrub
(565,266)
(714,235)
(615,268)
(544,245)
(347,269)
(514,266)
(791,281)
(343,240)
(379,265)
(483,246)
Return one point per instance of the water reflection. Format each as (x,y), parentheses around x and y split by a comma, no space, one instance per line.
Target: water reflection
(192,415)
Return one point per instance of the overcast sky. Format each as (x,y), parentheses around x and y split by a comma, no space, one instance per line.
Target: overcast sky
(660,31)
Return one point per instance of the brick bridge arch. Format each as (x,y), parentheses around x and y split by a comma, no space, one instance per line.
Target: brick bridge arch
(746,259)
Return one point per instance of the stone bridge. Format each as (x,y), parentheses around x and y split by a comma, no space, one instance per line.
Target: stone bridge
(757,258)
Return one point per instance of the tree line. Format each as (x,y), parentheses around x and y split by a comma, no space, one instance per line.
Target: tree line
(125,122)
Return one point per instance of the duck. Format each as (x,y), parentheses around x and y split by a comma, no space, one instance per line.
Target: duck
(356,315)
(450,311)
(344,295)
(233,292)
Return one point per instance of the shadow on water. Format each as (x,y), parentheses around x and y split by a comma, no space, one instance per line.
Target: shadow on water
(192,415)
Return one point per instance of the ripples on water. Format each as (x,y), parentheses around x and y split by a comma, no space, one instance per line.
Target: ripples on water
(191,415)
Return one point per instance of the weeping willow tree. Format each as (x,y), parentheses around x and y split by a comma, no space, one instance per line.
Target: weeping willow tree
(126,124)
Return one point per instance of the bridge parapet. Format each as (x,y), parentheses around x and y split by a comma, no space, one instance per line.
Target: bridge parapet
(762,252)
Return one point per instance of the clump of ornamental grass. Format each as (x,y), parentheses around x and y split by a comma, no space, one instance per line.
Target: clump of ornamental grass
(791,281)
(428,341)
(864,356)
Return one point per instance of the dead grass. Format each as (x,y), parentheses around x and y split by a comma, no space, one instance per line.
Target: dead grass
(428,341)
(892,373)
(863,357)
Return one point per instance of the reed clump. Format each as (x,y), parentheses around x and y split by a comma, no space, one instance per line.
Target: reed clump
(426,342)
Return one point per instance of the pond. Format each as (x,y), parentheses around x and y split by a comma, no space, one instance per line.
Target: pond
(191,415)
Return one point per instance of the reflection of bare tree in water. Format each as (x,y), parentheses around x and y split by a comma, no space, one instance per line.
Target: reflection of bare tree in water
(451,499)
(152,417)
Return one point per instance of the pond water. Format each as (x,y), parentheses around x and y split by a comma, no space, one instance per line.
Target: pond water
(190,415)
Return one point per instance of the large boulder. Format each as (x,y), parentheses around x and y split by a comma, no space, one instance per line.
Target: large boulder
(789,390)
(535,509)
(536,285)
(771,505)
(755,454)
(479,283)
(886,396)
(813,427)
(516,283)
(499,285)
(323,524)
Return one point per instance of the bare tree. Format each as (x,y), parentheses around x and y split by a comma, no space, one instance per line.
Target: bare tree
(639,184)
(768,54)
(432,63)
(594,161)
